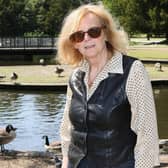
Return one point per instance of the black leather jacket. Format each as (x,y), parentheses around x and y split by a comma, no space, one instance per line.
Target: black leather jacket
(101,125)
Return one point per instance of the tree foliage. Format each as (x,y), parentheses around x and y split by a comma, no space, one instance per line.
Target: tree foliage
(45,17)
(141,16)
(11,21)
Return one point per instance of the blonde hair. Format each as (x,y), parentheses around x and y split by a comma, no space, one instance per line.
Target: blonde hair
(116,38)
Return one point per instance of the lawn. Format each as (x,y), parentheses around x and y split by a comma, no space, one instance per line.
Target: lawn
(157,74)
(148,49)
(46,74)
(34,74)
(38,74)
(149,52)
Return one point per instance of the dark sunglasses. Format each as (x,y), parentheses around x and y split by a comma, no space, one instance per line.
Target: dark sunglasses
(93,32)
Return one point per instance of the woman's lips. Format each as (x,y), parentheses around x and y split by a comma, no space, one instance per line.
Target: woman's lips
(89,46)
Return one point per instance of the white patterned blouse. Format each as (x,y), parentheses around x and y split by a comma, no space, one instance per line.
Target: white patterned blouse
(140,96)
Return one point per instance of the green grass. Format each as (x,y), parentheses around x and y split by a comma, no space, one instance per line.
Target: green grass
(153,74)
(34,74)
(46,75)
(149,53)
(152,52)
(141,51)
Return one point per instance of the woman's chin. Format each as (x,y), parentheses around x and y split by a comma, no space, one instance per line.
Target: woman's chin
(90,56)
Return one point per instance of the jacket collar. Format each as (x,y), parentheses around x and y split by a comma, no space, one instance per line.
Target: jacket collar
(113,66)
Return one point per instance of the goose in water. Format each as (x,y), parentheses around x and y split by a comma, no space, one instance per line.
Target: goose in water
(55,145)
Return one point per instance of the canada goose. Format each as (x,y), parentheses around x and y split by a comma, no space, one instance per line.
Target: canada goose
(7,135)
(158,66)
(42,61)
(56,145)
(58,162)
(14,76)
(59,71)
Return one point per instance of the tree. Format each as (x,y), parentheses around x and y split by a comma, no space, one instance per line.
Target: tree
(130,13)
(158,14)
(29,17)
(11,17)
(35,17)
(50,14)
(141,16)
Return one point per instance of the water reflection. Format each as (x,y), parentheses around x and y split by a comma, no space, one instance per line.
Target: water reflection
(34,114)
(40,113)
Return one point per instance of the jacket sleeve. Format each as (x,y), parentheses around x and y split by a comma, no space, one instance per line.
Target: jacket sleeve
(143,121)
(66,125)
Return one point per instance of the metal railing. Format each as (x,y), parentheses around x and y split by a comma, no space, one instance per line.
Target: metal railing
(28,42)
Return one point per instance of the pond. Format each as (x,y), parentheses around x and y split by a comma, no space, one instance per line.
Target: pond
(34,114)
(39,113)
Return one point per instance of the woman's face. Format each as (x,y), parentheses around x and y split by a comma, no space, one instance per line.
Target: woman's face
(91,47)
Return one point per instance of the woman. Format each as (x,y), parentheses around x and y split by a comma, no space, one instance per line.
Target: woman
(109,119)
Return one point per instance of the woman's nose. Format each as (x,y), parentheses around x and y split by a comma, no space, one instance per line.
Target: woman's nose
(86,36)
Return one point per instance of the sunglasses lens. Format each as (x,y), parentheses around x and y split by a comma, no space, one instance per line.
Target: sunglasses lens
(77,36)
(94,32)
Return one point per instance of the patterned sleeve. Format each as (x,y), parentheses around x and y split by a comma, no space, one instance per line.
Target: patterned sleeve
(66,125)
(143,121)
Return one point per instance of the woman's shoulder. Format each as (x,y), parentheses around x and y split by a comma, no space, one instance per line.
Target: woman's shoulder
(136,61)
(77,73)
(129,57)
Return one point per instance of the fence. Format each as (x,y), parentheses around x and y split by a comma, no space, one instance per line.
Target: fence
(28,42)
